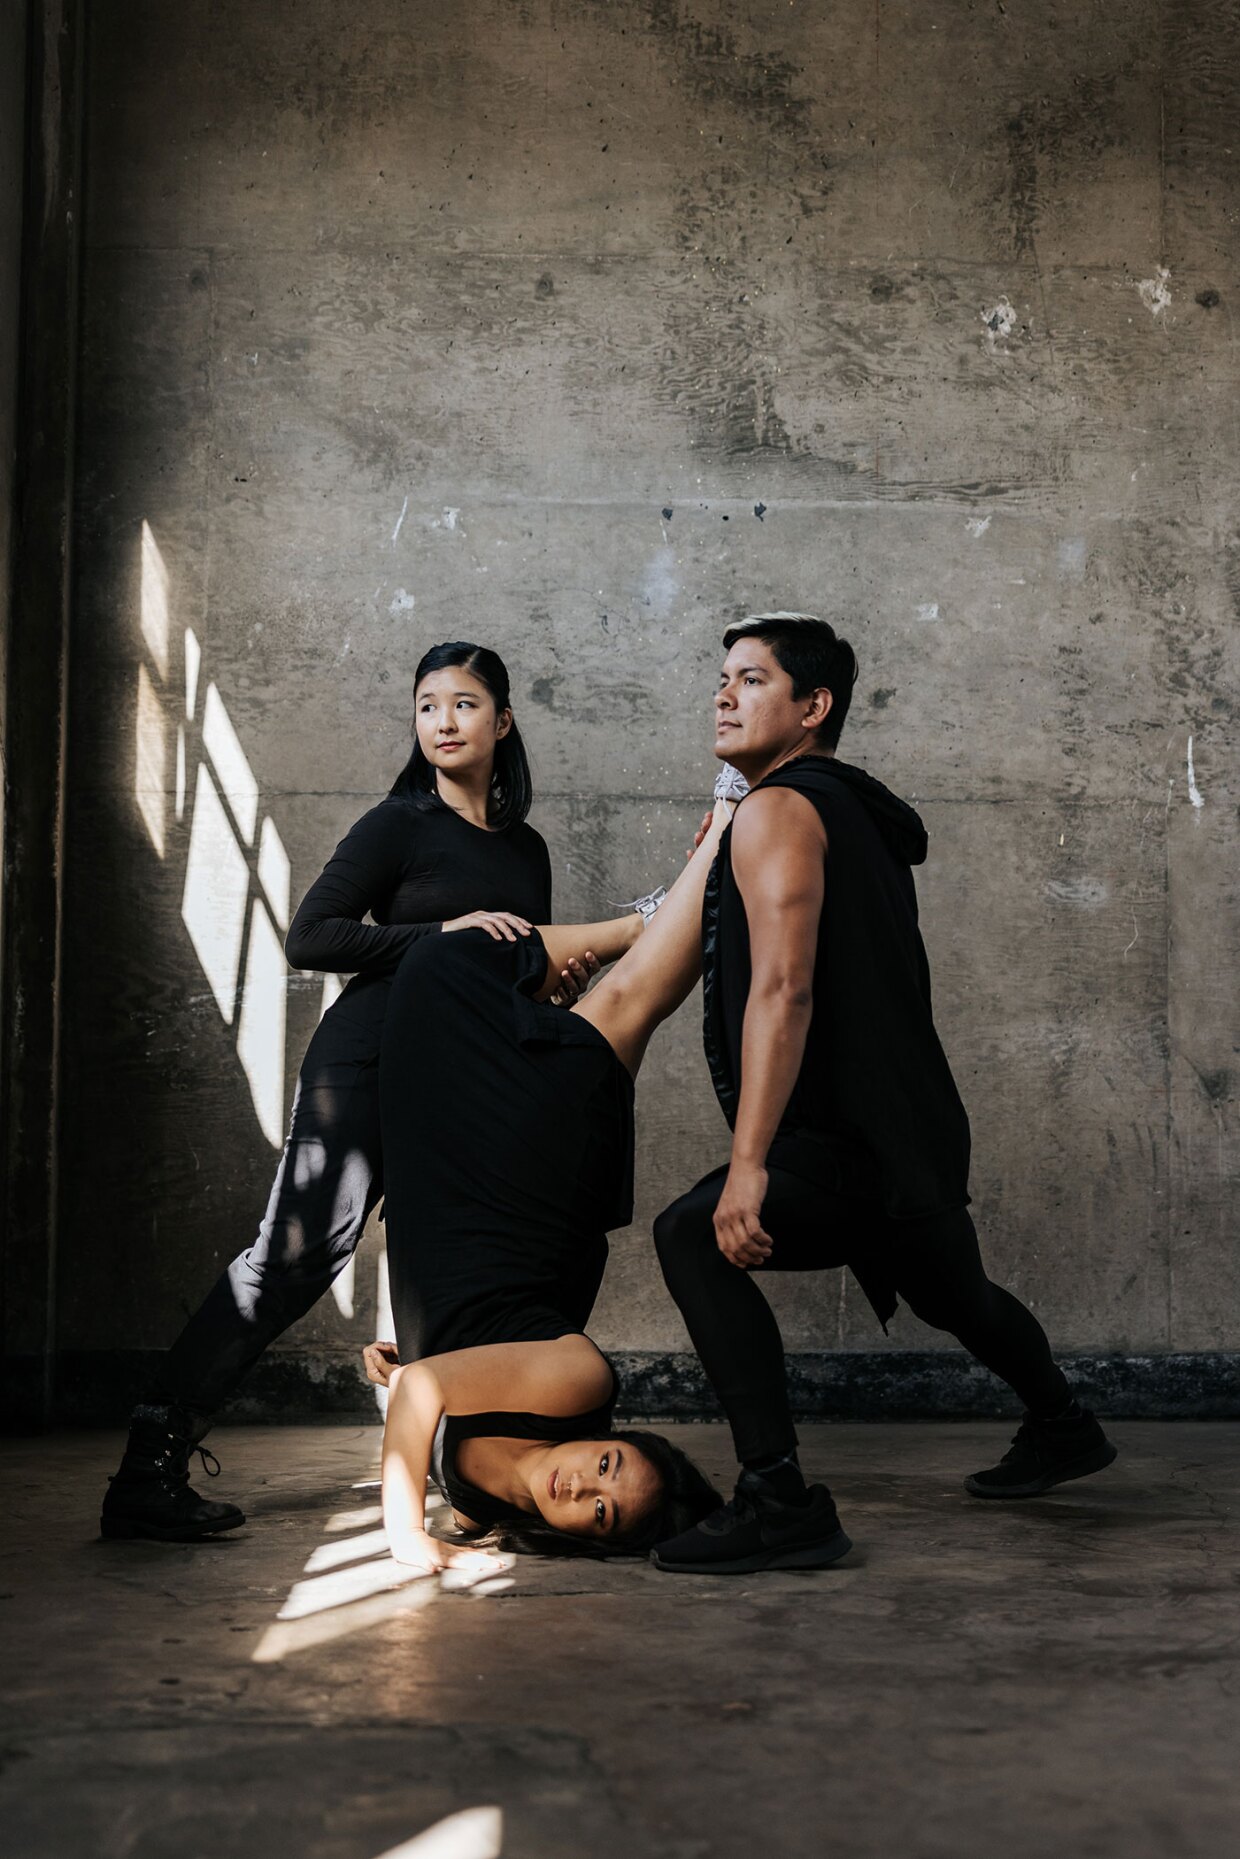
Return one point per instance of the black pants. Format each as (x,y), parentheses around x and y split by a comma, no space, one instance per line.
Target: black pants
(329,1180)
(935,1265)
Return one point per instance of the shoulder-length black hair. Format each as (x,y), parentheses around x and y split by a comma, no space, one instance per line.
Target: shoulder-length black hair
(512,790)
(686,1495)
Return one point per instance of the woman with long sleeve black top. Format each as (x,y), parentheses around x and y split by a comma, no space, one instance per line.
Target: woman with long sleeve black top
(448,849)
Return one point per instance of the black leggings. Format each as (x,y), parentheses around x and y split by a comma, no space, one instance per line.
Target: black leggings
(937,1270)
(329,1180)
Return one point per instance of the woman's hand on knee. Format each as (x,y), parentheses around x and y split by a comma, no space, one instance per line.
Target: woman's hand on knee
(381,1360)
(501,925)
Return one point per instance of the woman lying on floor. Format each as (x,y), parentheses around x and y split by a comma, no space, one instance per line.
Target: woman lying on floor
(508,1136)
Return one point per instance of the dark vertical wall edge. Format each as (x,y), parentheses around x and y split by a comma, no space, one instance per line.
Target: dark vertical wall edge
(37,679)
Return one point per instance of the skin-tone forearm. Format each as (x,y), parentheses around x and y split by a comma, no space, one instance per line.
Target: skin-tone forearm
(778,859)
(415,1406)
(772,1047)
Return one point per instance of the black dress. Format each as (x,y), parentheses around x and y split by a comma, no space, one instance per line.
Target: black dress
(412,871)
(508,1142)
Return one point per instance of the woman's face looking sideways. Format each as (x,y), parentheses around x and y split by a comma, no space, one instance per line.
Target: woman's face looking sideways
(456,720)
(592,1487)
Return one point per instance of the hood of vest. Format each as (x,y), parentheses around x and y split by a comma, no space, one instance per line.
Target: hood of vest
(899,824)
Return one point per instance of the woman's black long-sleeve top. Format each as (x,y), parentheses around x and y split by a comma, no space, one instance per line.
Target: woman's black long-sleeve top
(412,871)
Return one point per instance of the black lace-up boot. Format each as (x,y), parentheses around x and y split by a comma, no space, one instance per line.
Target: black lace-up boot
(151,1496)
(1045,1453)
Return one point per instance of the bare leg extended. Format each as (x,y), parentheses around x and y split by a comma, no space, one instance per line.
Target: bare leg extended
(648,983)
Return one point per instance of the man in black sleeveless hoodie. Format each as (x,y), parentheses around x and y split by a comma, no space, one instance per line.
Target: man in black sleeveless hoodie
(850,1142)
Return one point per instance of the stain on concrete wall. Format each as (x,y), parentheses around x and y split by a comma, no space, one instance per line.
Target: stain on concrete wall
(583,329)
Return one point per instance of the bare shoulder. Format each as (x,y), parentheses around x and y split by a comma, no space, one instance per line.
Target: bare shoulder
(581,1376)
(776,816)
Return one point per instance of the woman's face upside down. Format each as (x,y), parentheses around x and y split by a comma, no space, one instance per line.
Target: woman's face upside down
(597,1488)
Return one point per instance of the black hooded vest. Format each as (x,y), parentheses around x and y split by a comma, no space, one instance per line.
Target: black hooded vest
(874,1107)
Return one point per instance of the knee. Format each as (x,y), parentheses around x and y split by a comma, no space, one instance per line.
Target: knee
(679,1233)
(959,1314)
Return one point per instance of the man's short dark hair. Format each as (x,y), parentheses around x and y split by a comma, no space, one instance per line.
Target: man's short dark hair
(812,654)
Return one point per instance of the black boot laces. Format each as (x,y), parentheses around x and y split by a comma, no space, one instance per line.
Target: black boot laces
(212,1469)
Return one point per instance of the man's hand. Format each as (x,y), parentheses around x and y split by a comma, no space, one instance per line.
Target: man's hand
(575,979)
(739,1232)
(701,832)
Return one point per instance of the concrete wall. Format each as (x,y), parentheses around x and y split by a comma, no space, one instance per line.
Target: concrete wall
(582,329)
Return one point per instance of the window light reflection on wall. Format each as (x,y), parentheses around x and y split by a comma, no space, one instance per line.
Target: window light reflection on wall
(237,875)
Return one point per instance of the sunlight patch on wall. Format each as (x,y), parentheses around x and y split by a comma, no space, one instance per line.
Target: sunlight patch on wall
(193,659)
(153,600)
(260,1032)
(150,759)
(236,777)
(274,872)
(343,1287)
(217,888)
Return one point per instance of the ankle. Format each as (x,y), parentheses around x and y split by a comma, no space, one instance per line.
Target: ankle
(782,1477)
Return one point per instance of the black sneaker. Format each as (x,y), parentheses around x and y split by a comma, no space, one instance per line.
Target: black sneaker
(151,1495)
(1044,1453)
(755,1531)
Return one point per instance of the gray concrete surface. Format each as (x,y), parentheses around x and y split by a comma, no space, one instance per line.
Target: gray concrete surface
(584,329)
(1055,1677)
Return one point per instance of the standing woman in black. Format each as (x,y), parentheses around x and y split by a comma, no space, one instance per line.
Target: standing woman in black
(449,849)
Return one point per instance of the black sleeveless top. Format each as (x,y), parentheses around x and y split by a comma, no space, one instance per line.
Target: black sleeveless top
(480,1506)
(874,1108)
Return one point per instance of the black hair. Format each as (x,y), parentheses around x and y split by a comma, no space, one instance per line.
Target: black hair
(512,790)
(686,1495)
(812,654)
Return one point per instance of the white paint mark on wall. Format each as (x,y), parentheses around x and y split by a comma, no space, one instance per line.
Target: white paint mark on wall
(400,519)
(659,584)
(402,602)
(1194,792)
(1154,292)
(977,525)
(1000,321)
(1073,554)
(448,520)
(928,610)
(1089,892)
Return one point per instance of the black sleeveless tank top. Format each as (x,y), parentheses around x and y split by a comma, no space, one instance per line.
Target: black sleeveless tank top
(875,1108)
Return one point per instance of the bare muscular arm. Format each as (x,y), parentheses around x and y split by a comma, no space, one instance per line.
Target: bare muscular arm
(779,850)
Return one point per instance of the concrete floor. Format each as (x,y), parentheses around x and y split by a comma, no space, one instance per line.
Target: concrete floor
(1062,1676)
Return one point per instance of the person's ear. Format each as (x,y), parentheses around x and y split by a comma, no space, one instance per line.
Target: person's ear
(503,724)
(819,709)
